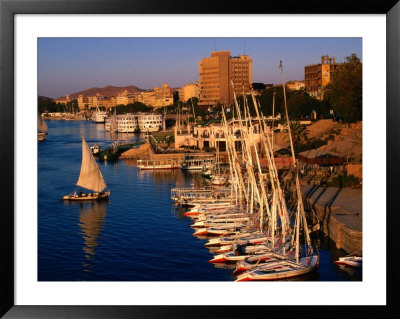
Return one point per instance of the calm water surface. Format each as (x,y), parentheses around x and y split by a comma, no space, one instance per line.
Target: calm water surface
(137,235)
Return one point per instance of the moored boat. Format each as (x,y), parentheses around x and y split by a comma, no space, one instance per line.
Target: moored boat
(281,269)
(218,180)
(42,128)
(352,261)
(99,116)
(158,164)
(95,149)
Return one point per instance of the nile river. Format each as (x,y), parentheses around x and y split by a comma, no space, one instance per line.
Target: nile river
(137,235)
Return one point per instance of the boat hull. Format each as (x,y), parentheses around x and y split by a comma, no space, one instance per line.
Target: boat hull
(86,197)
(148,168)
(355,262)
(275,273)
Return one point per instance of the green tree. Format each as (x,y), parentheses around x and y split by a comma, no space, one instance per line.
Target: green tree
(345,90)
(266,97)
(175,96)
(133,108)
(299,133)
(300,105)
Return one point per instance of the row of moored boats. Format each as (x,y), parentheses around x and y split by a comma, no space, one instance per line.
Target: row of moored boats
(249,224)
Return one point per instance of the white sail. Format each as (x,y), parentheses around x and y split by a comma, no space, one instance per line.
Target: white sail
(42,126)
(90,176)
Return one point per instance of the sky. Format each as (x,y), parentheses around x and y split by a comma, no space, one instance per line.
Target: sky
(69,65)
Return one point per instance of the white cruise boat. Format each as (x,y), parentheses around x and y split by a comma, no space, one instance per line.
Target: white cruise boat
(99,116)
(122,123)
(149,122)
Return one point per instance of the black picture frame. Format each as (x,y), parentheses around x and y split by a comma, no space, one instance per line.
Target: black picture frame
(8,8)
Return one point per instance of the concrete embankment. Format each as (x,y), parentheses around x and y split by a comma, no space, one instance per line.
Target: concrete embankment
(339,211)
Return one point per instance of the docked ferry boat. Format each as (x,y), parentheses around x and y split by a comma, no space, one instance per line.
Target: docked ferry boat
(158,164)
(122,123)
(99,116)
(149,122)
(198,162)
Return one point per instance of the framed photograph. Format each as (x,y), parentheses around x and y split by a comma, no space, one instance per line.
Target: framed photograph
(91,227)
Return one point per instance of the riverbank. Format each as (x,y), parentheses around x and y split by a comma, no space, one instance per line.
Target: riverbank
(339,211)
(147,152)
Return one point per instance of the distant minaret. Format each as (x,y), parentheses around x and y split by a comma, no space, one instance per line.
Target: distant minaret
(67,96)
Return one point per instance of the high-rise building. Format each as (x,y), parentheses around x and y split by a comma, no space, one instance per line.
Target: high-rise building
(241,73)
(317,76)
(216,74)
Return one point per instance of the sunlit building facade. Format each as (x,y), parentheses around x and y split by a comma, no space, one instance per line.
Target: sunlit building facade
(218,72)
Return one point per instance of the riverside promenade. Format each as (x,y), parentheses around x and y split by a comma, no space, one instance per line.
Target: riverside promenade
(339,211)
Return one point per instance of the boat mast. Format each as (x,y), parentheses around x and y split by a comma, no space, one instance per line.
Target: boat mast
(194,115)
(273,118)
(300,207)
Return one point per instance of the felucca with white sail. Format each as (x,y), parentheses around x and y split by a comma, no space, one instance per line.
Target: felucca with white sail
(42,128)
(90,178)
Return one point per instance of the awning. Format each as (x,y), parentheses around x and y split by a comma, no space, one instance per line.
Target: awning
(321,157)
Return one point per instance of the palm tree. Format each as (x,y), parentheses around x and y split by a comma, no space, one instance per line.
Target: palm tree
(299,133)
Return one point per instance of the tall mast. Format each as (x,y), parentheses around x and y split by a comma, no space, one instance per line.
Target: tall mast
(194,115)
(273,118)
(300,207)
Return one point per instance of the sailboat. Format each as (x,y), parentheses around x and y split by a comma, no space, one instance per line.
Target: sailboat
(90,178)
(218,179)
(42,128)
(292,264)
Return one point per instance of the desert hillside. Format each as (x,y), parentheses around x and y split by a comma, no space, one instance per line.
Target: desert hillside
(107,91)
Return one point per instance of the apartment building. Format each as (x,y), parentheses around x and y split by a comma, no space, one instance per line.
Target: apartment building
(241,74)
(295,85)
(158,97)
(216,74)
(317,76)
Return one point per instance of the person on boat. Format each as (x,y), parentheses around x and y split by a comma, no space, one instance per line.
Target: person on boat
(80,194)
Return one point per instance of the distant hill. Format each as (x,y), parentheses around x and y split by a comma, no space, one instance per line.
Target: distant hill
(107,91)
(45,99)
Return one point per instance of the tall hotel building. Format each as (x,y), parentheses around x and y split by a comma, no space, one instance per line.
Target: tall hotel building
(216,74)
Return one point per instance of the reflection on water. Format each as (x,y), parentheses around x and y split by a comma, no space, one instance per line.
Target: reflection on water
(134,235)
(91,219)
(170,176)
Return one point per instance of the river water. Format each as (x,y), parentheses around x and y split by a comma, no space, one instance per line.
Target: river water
(136,235)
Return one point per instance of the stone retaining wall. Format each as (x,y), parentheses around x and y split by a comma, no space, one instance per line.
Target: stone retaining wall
(344,237)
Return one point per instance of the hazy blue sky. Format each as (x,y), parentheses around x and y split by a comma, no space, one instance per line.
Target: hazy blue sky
(69,65)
